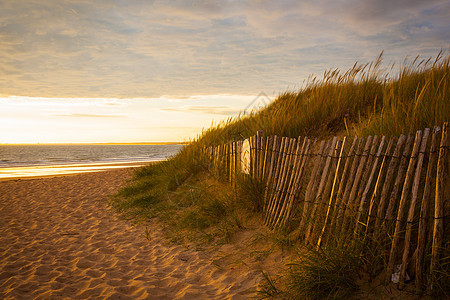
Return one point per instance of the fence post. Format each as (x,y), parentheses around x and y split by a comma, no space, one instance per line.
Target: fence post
(423,219)
(397,184)
(299,177)
(412,205)
(368,183)
(309,188)
(275,181)
(442,192)
(402,206)
(332,190)
(377,187)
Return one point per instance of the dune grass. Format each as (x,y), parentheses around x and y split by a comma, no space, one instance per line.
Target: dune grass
(328,273)
(366,99)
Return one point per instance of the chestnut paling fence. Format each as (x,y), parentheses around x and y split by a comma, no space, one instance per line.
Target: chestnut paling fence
(394,190)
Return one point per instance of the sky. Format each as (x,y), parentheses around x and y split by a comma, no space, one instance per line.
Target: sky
(143,71)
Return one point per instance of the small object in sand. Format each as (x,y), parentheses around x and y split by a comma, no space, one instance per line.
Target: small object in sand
(395,278)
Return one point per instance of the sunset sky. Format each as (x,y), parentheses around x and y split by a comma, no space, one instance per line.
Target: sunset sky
(140,70)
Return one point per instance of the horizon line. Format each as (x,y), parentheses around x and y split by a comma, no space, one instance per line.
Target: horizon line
(96,143)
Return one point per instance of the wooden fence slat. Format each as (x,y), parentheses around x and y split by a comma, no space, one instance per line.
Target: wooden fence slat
(230,160)
(238,159)
(214,166)
(259,136)
(218,154)
(227,161)
(325,194)
(267,148)
(423,219)
(276,184)
(262,156)
(276,172)
(219,161)
(312,198)
(257,154)
(397,185)
(340,157)
(254,156)
(230,167)
(337,214)
(222,160)
(235,156)
(298,179)
(362,169)
(348,186)
(412,206)
(324,172)
(281,179)
(355,185)
(295,168)
(387,181)
(378,186)
(363,183)
(307,201)
(331,174)
(224,173)
(279,148)
(368,182)
(402,206)
(280,193)
(284,177)
(439,205)
(292,188)
(273,163)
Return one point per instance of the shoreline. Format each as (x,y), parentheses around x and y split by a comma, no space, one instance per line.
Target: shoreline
(48,171)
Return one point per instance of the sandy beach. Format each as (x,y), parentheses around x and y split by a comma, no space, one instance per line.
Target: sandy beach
(60,240)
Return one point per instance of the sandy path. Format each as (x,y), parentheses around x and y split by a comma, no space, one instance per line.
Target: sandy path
(59,240)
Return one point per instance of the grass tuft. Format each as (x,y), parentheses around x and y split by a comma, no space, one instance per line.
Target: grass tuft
(328,273)
(251,192)
(268,288)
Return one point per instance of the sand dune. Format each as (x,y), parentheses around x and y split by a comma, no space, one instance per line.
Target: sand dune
(58,239)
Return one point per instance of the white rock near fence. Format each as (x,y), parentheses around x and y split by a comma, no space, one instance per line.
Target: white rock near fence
(245,157)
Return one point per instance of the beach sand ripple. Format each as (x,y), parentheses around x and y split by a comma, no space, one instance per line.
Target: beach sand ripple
(58,239)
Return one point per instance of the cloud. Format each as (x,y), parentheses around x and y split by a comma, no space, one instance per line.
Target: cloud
(214,110)
(88,116)
(63,102)
(139,48)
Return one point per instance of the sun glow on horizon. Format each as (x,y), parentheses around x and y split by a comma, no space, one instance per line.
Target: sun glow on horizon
(33,120)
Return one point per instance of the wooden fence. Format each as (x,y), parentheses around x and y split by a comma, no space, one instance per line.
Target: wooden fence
(393,190)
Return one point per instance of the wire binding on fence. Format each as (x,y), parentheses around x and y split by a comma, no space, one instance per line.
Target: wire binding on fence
(336,188)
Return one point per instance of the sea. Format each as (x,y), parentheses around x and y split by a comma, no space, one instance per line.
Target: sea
(18,161)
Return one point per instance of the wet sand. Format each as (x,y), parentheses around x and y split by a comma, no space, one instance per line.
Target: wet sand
(11,173)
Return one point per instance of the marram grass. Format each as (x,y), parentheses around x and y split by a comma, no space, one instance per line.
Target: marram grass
(364,100)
